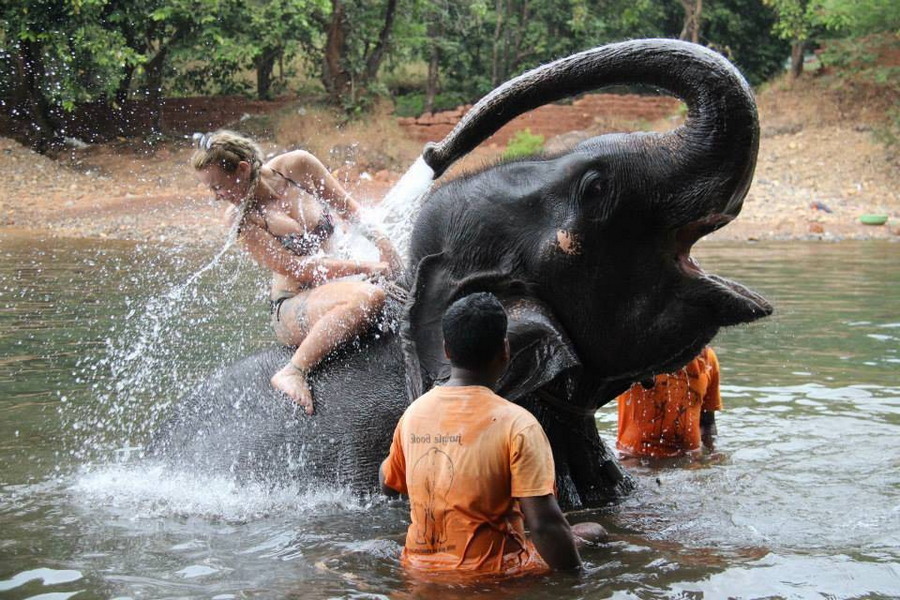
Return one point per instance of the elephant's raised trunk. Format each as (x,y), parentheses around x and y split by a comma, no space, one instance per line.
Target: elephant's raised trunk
(721,128)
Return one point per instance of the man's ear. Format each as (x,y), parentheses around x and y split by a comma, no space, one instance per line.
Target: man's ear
(446,351)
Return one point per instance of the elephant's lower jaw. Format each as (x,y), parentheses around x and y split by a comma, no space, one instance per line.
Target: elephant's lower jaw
(588,474)
(733,303)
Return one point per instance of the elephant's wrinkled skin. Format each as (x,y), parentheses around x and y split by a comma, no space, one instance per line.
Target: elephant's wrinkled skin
(589,251)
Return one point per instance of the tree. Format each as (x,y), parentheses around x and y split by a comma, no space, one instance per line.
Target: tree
(693,10)
(278,28)
(858,17)
(742,31)
(796,22)
(60,55)
(155,30)
(358,34)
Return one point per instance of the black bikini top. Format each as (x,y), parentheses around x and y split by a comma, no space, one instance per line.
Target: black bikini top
(311,240)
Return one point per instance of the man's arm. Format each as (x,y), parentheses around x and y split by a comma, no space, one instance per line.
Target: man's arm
(708,429)
(385,488)
(393,482)
(550,532)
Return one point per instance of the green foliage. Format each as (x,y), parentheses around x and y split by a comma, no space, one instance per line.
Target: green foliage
(741,30)
(856,18)
(484,43)
(801,19)
(797,19)
(889,133)
(523,143)
(104,50)
(858,59)
(78,59)
(413,105)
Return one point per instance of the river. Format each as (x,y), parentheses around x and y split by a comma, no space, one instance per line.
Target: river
(99,339)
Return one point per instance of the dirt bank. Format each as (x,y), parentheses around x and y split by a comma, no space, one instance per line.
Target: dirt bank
(814,178)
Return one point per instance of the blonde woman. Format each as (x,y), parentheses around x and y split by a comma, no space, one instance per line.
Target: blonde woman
(285,211)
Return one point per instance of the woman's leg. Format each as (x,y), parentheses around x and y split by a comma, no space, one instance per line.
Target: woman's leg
(320,321)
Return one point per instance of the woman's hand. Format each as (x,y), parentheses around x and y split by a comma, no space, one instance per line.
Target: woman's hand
(374,269)
(390,256)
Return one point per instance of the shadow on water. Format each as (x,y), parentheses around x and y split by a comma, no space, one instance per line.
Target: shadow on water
(96,346)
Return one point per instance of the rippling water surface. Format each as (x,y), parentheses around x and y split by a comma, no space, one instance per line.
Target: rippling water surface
(98,341)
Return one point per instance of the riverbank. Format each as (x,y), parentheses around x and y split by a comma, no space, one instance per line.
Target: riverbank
(819,170)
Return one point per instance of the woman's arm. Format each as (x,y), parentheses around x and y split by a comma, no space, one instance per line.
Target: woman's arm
(305,270)
(309,172)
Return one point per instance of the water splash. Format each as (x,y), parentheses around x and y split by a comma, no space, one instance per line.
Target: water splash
(158,347)
(178,291)
(397,212)
(152,491)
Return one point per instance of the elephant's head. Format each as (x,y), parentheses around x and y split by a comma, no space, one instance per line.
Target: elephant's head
(599,237)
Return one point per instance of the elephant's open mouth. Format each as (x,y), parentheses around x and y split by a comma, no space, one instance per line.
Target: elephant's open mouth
(687,236)
(733,302)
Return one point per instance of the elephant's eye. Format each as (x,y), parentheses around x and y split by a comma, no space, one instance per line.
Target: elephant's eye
(595,197)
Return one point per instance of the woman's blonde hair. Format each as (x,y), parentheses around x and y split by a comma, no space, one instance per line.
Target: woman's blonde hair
(226,149)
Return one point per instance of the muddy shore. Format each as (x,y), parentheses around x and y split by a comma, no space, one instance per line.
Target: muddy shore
(813,182)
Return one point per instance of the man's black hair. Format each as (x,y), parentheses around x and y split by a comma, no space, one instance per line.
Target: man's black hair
(474,330)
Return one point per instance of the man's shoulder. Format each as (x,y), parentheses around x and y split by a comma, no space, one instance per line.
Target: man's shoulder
(519,417)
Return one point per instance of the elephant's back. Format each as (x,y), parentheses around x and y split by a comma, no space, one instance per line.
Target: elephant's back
(236,423)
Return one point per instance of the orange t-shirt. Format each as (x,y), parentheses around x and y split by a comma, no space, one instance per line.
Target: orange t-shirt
(463,455)
(664,421)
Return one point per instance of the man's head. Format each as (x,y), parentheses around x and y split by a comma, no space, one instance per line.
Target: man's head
(475,333)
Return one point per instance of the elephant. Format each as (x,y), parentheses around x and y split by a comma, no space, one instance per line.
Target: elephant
(588,250)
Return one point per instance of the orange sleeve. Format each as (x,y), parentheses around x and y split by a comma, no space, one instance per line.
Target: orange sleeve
(713,399)
(532,472)
(394,466)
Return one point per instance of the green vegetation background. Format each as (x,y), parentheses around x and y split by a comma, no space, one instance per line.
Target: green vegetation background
(56,55)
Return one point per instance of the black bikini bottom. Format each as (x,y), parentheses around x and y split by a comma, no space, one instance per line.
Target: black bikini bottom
(275,306)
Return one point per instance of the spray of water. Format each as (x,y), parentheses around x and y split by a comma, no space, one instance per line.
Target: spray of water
(178,291)
(397,212)
(150,491)
(152,351)
(169,340)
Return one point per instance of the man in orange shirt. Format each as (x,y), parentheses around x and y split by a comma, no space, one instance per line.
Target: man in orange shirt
(672,415)
(476,467)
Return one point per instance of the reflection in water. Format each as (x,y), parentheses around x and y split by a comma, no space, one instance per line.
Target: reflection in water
(804,505)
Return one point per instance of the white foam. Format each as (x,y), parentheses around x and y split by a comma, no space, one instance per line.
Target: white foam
(150,491)
(45,575)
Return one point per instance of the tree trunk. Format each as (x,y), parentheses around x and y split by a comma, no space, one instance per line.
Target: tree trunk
(40,129)
(692,13)
(155,72)
(154,75)
(335,77)
(123,109)
(374,60)
(265,66)
(495,59)
(797,48)
(434,63)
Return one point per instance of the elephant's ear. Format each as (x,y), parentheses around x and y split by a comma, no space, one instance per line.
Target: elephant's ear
(420,331)
(540,350)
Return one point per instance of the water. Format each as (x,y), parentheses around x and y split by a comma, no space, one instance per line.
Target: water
(806,503)
(397,212)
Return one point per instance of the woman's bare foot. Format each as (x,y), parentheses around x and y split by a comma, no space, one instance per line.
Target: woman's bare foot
(292,381)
